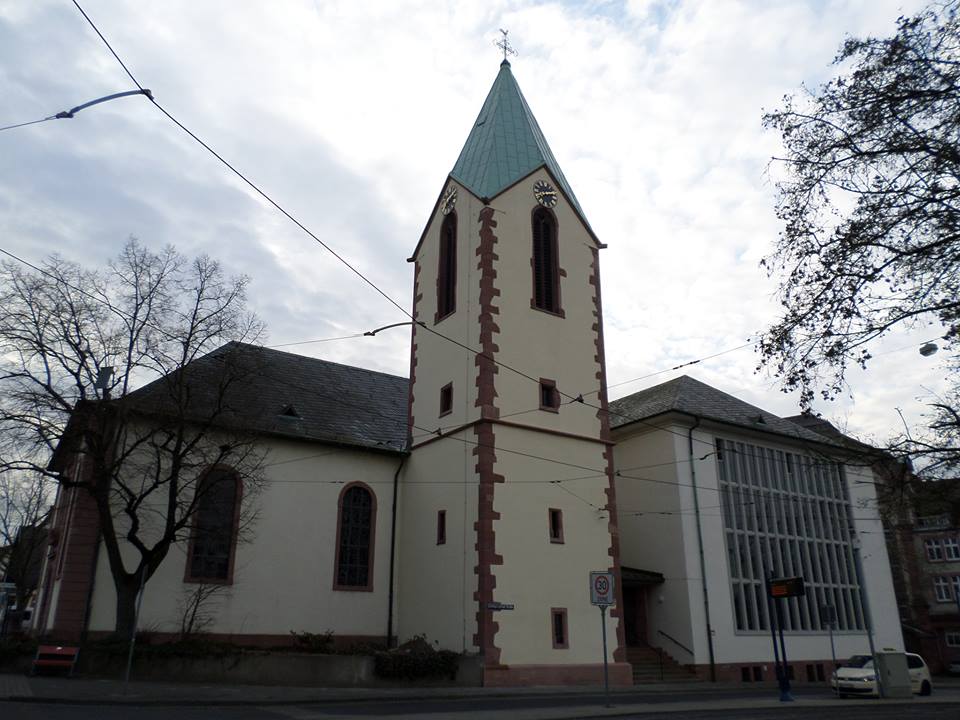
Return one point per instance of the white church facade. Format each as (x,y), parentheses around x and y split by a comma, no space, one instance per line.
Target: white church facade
(469,502)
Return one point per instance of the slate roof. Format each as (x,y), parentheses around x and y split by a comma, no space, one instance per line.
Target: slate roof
(294,396)
(687,395)
(506,144)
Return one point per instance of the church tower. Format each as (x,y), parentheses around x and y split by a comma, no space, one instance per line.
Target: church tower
(507,499)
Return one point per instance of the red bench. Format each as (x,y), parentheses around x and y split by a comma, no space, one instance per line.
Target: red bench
(55,656)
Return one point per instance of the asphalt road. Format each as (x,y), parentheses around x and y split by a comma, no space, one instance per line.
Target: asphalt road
(726,706)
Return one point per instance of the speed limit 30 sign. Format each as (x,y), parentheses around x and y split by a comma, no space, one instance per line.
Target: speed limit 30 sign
(601,588)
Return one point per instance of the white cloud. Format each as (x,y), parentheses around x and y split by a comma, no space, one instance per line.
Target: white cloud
(352,113)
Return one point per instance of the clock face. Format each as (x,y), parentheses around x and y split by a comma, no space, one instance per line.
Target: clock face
(544,193)
(448,200)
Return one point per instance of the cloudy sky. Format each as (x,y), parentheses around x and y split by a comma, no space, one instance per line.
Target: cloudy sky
(351,113)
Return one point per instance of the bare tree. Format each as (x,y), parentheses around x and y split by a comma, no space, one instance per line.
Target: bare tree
(198,608)
(109,387)
(870,203)
(24,505)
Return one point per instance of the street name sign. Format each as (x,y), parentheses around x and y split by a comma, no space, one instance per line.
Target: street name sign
(499,606)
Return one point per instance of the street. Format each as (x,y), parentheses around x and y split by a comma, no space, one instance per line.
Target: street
(813,703)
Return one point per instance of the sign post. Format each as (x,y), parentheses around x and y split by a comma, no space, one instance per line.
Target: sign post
(828,614)
(779,589)
(602,594)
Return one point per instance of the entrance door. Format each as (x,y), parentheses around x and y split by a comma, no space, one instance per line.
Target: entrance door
(635,615)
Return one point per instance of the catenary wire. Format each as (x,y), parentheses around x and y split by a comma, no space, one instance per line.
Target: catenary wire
(258,190)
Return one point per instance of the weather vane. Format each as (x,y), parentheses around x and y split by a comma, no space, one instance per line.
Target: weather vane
(504,45)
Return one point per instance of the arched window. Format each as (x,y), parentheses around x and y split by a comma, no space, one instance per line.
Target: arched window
(214,533)
(546,271)
(447,268)
(355,525)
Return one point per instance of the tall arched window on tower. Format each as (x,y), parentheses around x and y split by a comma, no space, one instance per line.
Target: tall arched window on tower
(357,513)
(214,533)
(546,272)
(447,269)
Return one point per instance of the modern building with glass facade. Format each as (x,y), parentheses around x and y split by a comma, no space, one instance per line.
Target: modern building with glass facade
(715,497)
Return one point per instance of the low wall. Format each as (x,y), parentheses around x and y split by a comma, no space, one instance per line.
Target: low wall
(263,668)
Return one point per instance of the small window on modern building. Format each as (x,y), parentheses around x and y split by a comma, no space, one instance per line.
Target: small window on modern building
(446,399)
(447,268)
(556,525)
(941,588)
(745,674)
(934,549)
(757,673)
(952,638)
(441,527)
(549,396)
(951,548)
(558,627)
(546,271)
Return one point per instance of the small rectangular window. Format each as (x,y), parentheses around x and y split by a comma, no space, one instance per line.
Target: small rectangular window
(558,623)
(941,588)
(757,673)
(953,638)
(821,675)
(934,550)
(446,399)
(549,397)
(745,674)
(811,676)
(556,525)
(441,527)
(951,548)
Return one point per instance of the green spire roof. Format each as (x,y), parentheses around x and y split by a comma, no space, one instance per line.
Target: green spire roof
(506,144)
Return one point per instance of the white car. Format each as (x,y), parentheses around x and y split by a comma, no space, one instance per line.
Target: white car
(858,676)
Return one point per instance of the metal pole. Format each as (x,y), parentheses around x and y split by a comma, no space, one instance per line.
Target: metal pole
(833,649)
(603,632)
(133,632)
(703,562)
(858,566)
(773,630)
(785,695)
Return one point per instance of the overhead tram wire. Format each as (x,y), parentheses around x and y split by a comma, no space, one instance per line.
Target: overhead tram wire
(756,493)
(65,114)
(303,227)
(346,263)
(426,432)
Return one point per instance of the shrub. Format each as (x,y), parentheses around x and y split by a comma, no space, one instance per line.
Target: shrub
(414,660)
(313,642)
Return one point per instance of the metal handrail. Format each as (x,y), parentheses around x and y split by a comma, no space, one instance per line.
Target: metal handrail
(675,641)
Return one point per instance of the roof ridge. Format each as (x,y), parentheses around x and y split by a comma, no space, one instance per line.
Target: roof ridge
(251,346)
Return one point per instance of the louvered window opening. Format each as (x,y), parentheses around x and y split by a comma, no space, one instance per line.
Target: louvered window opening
(447,273)
(545,286)
(356,512)
(789,515)
(214,527)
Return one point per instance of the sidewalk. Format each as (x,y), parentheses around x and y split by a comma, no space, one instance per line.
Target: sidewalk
(88,691)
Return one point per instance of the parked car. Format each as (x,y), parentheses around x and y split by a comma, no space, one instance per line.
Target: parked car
(859,677)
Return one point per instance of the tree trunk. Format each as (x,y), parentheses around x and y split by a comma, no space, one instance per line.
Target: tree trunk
(127,588)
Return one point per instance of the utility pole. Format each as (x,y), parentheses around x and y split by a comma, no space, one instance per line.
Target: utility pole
(867,621)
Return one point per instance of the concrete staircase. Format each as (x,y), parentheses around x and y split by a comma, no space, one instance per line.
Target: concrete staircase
(647,669)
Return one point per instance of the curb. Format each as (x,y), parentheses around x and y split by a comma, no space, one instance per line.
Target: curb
(351,700)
